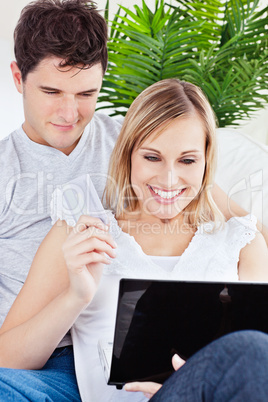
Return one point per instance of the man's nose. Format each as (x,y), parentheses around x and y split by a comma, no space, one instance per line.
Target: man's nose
(68,110)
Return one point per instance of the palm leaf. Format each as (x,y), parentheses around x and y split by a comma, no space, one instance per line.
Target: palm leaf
(220,45)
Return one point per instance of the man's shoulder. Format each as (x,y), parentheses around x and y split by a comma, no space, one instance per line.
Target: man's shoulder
(9,151)
(103,122)
(7,144)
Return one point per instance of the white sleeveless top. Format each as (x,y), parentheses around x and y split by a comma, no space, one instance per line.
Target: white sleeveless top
(166,262)
(209,257)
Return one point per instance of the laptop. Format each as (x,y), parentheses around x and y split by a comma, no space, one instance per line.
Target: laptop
(158,318)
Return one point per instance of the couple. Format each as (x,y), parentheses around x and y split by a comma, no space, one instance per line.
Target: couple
(163,164)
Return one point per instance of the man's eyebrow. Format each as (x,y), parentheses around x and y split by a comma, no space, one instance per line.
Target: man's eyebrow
(51,89)
(89,91)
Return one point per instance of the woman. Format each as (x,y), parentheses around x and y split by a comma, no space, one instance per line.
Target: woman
(166,225)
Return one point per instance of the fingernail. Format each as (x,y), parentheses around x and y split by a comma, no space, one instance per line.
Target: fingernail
(177,358)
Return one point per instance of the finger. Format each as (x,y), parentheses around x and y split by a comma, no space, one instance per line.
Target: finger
(83,260)
(86,221)
(87,260)
(86,235)
(100,234)
(177,362)
(91,233)
(145,387)
(73,257)
(89,245)
(147,395)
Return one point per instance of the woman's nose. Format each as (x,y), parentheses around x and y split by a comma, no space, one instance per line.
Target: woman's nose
(169,177)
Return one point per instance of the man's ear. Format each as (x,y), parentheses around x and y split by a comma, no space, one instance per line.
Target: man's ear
(16,73)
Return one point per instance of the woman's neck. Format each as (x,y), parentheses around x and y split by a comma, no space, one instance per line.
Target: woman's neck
(157,236)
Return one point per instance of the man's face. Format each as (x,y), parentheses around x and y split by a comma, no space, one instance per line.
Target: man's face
(58,103)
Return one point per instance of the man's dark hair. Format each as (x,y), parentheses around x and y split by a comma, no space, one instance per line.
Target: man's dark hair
(70,29)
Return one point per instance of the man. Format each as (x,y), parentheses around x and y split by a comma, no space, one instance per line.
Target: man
(61,56)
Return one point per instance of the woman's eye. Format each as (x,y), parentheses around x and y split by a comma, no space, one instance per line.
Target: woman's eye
(152,158)
(188,161)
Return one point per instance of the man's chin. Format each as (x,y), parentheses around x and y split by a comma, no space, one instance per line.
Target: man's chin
(65,148)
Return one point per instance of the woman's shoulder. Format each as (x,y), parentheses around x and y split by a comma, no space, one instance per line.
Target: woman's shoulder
(230,237)
(242,229)
(233,227)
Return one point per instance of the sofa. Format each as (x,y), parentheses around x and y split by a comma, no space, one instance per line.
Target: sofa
(242,171)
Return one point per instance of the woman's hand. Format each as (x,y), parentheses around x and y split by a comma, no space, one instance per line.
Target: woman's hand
(150,388)
(88,246)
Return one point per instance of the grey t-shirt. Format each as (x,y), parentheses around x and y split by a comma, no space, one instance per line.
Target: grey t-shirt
(30,172)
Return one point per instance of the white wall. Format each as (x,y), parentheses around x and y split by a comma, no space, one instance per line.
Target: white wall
(11,111)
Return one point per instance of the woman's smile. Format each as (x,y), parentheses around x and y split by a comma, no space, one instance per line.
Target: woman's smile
(165,196)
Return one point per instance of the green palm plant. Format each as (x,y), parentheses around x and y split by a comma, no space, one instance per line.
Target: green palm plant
(218,45)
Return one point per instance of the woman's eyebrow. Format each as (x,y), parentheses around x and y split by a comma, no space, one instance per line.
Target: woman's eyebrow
(150,149)
(191,151)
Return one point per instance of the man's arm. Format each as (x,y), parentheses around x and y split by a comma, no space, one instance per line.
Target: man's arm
(230,208)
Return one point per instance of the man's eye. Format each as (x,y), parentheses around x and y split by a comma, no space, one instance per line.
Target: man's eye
(152,158)
(50,92)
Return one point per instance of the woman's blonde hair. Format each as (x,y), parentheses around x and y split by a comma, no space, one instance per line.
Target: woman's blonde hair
(157,106)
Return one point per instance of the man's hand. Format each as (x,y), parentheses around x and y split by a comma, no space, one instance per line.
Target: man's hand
(150,388)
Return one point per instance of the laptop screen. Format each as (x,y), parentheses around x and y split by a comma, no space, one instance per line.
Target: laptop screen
(156,319)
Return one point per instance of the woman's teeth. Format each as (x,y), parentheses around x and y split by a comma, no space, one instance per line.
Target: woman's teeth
(166,194)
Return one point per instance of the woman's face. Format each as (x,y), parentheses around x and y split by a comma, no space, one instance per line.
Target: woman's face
(167,171)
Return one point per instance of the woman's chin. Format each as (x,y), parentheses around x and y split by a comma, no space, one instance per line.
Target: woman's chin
(164,215)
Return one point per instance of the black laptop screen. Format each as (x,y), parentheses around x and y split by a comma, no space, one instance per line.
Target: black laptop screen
(156,319)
